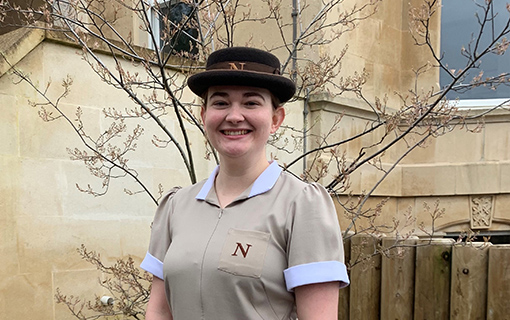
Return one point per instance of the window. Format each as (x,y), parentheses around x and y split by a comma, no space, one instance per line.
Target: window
(459,25)
(175,24)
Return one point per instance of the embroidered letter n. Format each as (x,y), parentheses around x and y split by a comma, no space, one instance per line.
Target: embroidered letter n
(240,247)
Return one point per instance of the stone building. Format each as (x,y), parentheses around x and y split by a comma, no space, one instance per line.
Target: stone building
(44,217)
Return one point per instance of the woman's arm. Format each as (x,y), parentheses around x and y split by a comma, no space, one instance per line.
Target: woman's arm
(157,307)
(317,301)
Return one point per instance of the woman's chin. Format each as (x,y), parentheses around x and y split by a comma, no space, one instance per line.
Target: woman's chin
(237,152)
(234,154)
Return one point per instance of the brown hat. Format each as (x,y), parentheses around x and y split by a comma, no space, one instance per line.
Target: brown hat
(241,66)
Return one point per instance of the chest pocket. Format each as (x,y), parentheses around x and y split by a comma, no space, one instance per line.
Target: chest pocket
(244,252)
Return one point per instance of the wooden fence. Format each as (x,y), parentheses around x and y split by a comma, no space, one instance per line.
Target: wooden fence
(426,280)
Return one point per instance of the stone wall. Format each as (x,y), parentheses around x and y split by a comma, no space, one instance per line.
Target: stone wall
(467,172)
(44,217)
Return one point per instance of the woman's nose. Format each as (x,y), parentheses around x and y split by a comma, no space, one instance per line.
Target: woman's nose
(234,114)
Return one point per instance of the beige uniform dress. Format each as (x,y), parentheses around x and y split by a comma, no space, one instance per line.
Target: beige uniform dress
(243,261)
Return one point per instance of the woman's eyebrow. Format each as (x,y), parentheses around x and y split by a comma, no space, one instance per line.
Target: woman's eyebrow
(253,94)
(219,94)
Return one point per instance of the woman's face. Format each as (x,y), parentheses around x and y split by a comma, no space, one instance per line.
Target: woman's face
(238,120)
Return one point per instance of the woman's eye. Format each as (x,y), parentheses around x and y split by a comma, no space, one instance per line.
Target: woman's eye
(252,103)
(219,103)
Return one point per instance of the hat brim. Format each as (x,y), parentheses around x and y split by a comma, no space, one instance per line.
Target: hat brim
(280,86)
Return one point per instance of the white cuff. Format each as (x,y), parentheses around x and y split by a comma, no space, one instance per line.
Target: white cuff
(152,265)
(316,272)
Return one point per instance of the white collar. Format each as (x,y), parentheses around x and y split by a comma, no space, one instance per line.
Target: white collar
(265,181)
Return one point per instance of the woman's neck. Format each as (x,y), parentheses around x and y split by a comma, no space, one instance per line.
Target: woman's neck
(236,176)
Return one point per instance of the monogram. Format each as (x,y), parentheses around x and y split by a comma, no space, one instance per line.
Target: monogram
(233,66)
(243,251)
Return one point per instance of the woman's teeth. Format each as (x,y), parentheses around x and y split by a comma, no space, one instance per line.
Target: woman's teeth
(235,133)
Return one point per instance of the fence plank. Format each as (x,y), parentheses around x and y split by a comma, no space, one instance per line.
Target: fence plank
(432,279)
(397,280)
(366,278)
(343,299)
(468,298)
(498,290)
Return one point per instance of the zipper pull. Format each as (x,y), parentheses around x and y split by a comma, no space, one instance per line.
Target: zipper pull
(220,214)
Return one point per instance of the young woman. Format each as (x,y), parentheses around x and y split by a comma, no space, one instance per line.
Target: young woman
(250,242)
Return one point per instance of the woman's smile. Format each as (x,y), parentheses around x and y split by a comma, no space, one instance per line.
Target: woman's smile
(235,132)
(238,120)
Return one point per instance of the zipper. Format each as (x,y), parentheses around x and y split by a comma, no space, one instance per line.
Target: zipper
(220,214)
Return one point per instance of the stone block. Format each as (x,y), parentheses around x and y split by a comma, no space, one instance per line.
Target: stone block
(428,180)
(8,125)
(26,296)
(8,248)
(389,49)
(474,178)
(170,178)
(83,284)
(41,186)
(391,185)
(384,80)
(497,142)
(63,61)
(391,13)
(406,214)
(365,39)
(501,205)
(381,222)
(390,220)
(459,146)
(49,243)
(414,57)
(354,182)
(115,204)
(448,149)
(456,213)
(505,176)
(40,139)
(9,187)
(424,154)
(134,237)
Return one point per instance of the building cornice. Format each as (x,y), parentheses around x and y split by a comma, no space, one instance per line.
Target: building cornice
(15,45)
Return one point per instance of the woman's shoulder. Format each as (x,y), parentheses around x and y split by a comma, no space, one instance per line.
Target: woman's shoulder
(179,192)
(294,184)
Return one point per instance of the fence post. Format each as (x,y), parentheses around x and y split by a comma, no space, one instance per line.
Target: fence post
(432,279)
(498,288)
(365,289)
(468,298)
(397,279)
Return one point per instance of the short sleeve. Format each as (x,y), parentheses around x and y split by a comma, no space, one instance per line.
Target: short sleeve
(315,248)
(160,236)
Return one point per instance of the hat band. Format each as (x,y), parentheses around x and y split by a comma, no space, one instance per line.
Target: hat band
(243,66)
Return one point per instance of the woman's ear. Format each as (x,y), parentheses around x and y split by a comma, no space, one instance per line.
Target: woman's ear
(278,117)
(202,115)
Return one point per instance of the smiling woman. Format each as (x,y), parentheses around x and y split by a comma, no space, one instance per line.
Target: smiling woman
(250,242)
(238,122)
